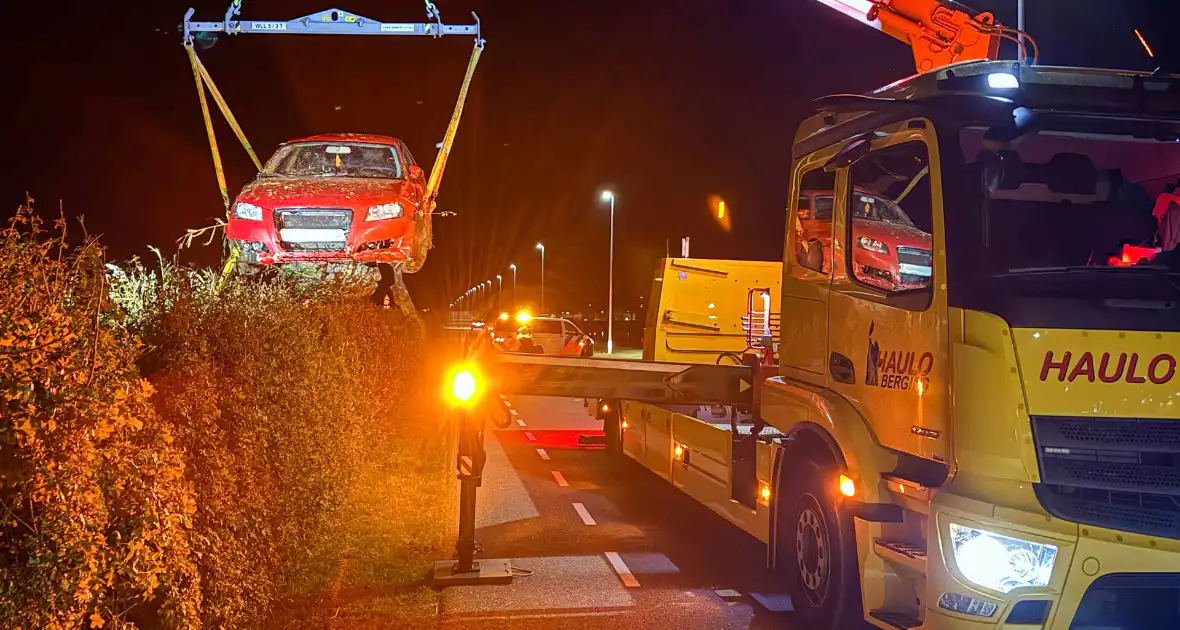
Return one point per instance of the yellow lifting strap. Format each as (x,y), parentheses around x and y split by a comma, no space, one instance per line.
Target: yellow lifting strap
(423,233)
(201,76)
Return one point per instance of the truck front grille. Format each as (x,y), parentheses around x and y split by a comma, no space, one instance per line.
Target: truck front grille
(1119,473)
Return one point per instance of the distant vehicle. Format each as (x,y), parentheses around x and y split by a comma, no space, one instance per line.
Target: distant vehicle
(556,335)
(890,251)
(541,335)
(330,198)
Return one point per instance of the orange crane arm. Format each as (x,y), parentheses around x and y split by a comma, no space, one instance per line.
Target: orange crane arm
(939,32)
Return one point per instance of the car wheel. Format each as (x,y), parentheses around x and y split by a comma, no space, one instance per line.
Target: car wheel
(539,349)
(817,550)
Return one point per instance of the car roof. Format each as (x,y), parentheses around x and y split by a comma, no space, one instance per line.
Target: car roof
(347,137)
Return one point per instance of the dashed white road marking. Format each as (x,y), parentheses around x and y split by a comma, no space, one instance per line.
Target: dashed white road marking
(560,479)
(520,421)
(513,412)
(620,567)
(530,436)
(586,518)
(543,454)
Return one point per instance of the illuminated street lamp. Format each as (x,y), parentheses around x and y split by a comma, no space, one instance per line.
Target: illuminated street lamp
(500,292)
(542,248)
(610,298)
(513,268)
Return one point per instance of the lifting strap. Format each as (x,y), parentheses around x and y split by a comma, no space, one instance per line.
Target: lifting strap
(203,80)
(423,234)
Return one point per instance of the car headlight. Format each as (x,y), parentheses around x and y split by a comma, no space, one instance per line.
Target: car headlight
(872,244)
(248,211)
(384,211)
(999,562)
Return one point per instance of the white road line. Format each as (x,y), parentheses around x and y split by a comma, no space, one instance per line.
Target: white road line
(520,422)
(620,567)
(530,436)
(503,397)
(513,411)
(560,479)
(593,613)
(586,518)
(543,454)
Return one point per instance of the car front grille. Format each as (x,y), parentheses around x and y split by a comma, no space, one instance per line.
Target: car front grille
(914,256)
(332,221)
(1119,473)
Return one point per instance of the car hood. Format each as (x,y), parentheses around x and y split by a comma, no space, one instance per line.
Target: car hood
(893,234)
(327,192)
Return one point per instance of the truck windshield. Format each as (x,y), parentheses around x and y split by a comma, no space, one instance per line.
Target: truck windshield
(1056,199)
(343,159)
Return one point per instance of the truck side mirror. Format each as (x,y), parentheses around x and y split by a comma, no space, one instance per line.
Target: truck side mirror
(416,172)
(852,153)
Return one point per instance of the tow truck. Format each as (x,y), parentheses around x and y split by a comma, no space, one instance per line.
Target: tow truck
(993,443)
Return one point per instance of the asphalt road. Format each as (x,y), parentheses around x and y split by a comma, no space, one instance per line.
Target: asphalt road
(608,545)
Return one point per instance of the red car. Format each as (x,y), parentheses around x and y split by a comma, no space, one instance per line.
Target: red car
(330,198)
(890,252)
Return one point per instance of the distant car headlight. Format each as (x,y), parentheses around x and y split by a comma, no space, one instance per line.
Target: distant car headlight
(999,562)
(248,211)
(384,211)
(872,244)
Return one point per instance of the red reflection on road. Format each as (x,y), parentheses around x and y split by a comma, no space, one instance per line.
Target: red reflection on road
(548,439)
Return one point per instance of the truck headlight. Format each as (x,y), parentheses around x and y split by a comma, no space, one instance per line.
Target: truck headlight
(999,562)
(248,211)
(872,244)
(384,211)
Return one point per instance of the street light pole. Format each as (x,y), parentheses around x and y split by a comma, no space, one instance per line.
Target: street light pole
(542,248)
(610,298)
(1020,27)
(500,292)
(513,268)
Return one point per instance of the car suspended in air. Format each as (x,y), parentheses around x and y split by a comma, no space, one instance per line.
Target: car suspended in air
(330,198)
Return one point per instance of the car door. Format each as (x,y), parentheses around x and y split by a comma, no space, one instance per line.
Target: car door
(889,292)
(547,334)
(572,337)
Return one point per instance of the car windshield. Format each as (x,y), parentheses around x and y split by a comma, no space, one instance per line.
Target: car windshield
(339,159)
(873,208)
(1056,199)
(865,206)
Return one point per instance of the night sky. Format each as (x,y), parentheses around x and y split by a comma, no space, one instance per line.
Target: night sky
(666,102)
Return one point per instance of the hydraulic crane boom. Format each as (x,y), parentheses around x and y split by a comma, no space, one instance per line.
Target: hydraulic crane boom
(939,33)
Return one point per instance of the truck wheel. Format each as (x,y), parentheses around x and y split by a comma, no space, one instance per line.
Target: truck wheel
(817,551)
(612,427)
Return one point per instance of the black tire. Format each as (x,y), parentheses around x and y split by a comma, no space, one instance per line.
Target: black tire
(612,427)
(538,349)
(817,550)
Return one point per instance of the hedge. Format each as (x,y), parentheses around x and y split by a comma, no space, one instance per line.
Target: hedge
(176,454)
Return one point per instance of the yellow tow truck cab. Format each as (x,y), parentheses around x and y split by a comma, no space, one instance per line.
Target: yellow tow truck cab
(975,417)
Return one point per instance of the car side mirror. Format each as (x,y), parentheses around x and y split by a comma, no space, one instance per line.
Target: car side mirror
(416,172)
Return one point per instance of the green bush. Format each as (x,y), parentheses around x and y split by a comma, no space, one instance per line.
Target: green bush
(174,453)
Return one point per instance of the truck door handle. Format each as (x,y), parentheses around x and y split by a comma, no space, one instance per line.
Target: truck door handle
(841,369)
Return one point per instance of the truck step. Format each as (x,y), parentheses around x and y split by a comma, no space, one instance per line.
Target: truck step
(903,553)
(896,620)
